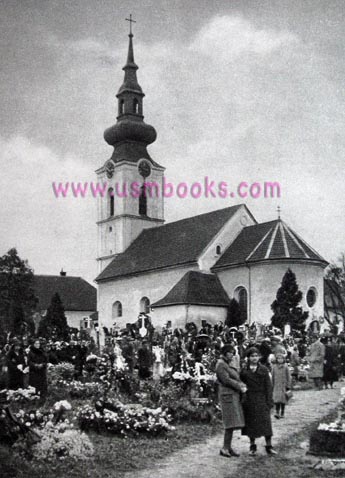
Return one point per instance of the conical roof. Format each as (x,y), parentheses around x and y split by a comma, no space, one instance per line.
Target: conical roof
(273,240)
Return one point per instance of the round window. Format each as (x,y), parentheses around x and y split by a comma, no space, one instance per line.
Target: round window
(311,297)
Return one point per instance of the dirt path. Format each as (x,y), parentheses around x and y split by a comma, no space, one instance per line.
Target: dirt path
(203,460)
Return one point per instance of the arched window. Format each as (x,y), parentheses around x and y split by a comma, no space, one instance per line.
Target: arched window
(135,106)
(117,310)
(145,305)
(311,297)
(111,201)
(122,107)
(218,250)
(241,295)
(142,202)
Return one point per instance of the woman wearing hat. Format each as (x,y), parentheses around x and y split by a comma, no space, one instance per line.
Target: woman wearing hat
(230,388)
(16,365)
(259,401)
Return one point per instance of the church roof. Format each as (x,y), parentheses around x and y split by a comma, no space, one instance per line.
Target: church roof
(196,288)
(272,240)
(75,293)
(176,243)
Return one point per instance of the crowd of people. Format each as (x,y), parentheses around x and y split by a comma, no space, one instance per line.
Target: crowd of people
(152,354)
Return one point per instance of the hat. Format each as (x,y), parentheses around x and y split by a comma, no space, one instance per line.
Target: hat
(275,338)
(252,351)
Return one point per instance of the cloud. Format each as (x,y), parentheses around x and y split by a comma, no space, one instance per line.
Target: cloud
(228,37)
(51,233)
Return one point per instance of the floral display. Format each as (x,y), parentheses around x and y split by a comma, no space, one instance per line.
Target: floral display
(57,442)
(21,394)
(120,419)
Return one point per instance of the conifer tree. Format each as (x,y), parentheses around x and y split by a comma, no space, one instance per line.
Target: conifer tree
(236,316)
(54,324)
(17,297)
(285,307)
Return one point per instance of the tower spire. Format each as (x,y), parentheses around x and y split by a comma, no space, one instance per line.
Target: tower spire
(130,135)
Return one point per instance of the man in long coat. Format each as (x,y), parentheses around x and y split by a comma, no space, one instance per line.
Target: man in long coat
(316,361)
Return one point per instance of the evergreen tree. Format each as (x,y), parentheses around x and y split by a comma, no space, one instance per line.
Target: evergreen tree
(17,298)
(54,324)
(236,315)
(285,307)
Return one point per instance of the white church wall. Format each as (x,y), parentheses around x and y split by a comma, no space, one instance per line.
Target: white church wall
(225,237)
(263,280)
(129,291)
(180,315)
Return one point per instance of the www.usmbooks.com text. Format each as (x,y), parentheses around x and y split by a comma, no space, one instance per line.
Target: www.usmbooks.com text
(206,188)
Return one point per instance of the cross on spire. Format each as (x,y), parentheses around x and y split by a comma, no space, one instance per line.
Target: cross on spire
(278,211)
(130,23)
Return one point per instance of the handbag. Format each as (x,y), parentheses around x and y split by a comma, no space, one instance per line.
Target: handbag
(288,394)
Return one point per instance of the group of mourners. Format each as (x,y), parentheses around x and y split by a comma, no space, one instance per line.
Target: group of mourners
(262,381)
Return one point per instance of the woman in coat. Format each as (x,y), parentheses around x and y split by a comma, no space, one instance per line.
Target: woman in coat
(37,362)
(230,389)
(281,381)
(15,365)
(258,403)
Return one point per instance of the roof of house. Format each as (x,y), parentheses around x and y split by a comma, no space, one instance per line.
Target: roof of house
(267,241)
(196,288)
(75,293)
(172,244)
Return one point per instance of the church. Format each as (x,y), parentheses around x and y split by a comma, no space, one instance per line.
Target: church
(187,270)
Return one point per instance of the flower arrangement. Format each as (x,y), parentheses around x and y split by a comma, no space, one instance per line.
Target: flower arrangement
(57,442)
(61,371)
(120,419)
(21,395)
(77,389)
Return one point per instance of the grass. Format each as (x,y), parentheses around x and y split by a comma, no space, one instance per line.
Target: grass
(113,455)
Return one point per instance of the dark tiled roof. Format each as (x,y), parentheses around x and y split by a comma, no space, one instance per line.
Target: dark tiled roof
(173,244)
(196,288)
(267,241)
(75,293)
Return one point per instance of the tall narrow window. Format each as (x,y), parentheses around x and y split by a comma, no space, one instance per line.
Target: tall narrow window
(135,106)
(143,201)
(122,107)
(116,310)
(241,295)
(145,305)
(218,250)
(111,201)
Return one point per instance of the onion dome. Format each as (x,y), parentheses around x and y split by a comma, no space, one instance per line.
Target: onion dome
(130,135)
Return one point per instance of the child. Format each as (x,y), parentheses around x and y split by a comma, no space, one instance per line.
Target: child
(258,403)
(281,380)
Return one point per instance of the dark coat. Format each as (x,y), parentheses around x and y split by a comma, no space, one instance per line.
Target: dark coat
(37,362)
(229,389)
(258,403)
(15,376)
(330,368)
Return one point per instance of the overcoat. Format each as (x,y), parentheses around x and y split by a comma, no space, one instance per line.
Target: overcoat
(281,381)
(330,369)
(37,362)
(229,390)
(258,403)
(15,376)
(316,358)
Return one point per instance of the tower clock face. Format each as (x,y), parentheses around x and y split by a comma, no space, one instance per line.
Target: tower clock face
(109,169)
(144,169)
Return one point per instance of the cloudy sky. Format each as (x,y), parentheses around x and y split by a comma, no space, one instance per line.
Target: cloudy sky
(241,90)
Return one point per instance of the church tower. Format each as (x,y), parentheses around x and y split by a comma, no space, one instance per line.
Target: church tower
(133,198)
